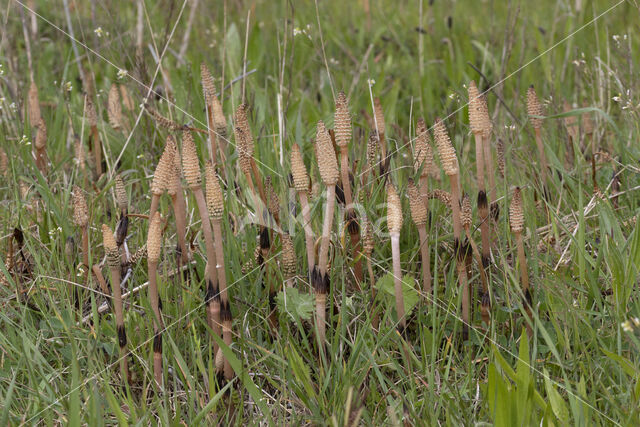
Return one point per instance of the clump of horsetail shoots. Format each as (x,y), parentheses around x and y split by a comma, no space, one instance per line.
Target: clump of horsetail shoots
(191,171)
(81,219)
(476,122)
(174,189)
(484,292)
(342,124)
(328,167)
(113,260)
(114,108)
(215,206)
(92,118)
(154,246)
(516,219)
(381,129)
(288,262)
(162,174)
(449,163)
(301,184)
(40,147)
(420,217)
(367,247)
(534,109)
(394,223)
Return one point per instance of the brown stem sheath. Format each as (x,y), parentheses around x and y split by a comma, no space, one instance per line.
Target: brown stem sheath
(122,337)
(308,231)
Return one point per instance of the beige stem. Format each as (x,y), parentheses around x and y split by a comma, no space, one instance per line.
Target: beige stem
(464,284)
(348,197)
(543,158)
(397,278)
(97,150)
(326,229)
(479,161)
(117,307)
(224,296)
(488,165)
(180,212)
(321,317)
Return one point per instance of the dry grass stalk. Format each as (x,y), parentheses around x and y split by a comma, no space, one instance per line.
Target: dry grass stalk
(449,163)
(534,108)
(191,171)
(301,184)
(162,121)
(342,124)
(328,167)
(40,148)
(113,260)
(394,223)
(368,245)
(154,246)
(179,205)
(215,206)
(420,217)
(484,295)
(92,118)
(516,219)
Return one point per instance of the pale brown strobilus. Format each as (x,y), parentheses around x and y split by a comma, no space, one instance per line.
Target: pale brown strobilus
(449,163)
(301,184)
(328,167)
(216,122)
(162,174)
(191,171)
(174,189)
(516,218)
(342,124)
(113,260)
(92,118)
(81,219)
(535,110)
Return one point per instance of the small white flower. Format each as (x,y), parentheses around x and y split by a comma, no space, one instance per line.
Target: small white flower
(617,98)
(626,326)
(98,31)
(371,82)
(122,73)
(68,87)
(13,107)
(636,321)
(297,31)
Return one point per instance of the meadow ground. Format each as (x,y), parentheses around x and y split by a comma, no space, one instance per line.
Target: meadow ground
(578,363)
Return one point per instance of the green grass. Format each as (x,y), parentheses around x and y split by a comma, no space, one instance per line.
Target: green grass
(580,366)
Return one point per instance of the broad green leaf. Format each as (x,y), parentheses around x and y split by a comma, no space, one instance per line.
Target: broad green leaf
(295,304)
(386,285)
